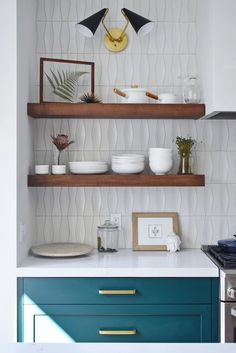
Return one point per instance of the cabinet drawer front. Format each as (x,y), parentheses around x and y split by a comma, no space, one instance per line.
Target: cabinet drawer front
(117,290)
(165,324)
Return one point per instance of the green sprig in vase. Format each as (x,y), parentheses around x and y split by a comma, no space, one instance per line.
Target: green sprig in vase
(185,146)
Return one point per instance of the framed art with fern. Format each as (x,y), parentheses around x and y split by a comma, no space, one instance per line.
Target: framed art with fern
(65,80)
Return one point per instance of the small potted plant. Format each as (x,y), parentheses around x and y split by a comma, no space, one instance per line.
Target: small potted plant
(90,98)
(61,142)
(185,146)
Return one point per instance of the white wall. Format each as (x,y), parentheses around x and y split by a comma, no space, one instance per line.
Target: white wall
(8,169)
(26,37)
(13,108)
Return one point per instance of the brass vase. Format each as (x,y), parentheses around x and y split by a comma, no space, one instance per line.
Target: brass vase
(185,164)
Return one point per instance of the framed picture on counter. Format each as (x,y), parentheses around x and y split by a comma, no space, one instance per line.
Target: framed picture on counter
(150,230)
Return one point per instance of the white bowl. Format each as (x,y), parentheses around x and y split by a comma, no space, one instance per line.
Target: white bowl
(42,169)
(126,155)
(160,168)
(160,159)
(165,98)
(127,162)
(128,159)
(123,160)
(160,155)
(131,164)
(160,150)
(88,167)
(87,163)
(89,170)
(166,149)
(128,169)
(58,169)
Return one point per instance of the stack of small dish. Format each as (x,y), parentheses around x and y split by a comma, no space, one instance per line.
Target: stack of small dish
(160,160)
(128,163)
(88,167)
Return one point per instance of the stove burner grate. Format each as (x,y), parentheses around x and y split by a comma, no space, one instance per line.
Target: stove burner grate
(227,260)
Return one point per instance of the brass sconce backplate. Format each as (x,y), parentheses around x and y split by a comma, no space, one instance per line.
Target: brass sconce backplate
(116,45)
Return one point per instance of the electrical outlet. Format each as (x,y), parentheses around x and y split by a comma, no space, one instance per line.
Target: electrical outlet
(116,219)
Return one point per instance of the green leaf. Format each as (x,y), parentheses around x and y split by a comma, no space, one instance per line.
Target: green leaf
(69,87)
(65,92)
(50,81)
(55,78)
(60,77)
(64,83)
(62,96)
(81,73)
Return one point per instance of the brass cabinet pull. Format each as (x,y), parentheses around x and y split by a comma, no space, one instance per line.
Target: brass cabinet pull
(117,291)
(117,332)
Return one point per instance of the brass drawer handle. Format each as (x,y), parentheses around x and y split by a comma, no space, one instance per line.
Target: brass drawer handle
(117,291)
(117,332)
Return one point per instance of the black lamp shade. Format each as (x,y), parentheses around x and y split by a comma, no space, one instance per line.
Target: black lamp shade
(89,26)
(140,24)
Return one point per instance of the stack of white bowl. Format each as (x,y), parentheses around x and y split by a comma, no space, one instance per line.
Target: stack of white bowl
(128,163)
(160,160)
(88,167)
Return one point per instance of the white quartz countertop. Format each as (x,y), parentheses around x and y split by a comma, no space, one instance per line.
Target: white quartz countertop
(124,263)
(119,347)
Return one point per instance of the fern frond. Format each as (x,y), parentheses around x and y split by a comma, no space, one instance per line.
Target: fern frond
(50,81)
(55,78)
(60,77)
(64,83)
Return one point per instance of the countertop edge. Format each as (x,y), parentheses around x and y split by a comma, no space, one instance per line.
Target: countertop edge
(118,272)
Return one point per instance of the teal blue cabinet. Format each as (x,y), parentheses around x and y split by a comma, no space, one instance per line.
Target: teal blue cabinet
(94,310)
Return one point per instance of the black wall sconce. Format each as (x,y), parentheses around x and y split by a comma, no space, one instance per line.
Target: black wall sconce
(115,38)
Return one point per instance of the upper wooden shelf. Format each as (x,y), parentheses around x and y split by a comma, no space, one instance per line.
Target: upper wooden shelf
(115,111)
(110,179)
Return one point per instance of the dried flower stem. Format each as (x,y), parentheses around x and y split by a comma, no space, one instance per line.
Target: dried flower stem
(61,142)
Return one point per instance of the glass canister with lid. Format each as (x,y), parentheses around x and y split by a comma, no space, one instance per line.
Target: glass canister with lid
(108,237)
(191,92)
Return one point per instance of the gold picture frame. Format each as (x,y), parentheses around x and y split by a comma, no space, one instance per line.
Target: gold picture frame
(158,224)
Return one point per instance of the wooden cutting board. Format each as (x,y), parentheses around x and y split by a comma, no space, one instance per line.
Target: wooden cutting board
(56,250)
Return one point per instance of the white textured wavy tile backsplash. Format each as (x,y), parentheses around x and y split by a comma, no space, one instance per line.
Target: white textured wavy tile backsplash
(159,60)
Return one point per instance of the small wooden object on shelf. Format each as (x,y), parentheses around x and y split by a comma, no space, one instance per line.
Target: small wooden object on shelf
(115,111)
(110,179)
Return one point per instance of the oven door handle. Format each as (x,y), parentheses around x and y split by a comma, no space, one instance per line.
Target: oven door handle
(233,312)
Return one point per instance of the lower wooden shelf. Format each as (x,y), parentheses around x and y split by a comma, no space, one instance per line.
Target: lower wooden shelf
(110,179)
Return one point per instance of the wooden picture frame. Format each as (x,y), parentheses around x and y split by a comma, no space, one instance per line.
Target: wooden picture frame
(159,223)
(69,62)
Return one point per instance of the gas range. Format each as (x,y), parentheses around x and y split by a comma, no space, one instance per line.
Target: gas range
(226,262)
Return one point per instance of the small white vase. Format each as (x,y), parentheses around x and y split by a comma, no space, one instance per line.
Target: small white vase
(42,169)
(59,169)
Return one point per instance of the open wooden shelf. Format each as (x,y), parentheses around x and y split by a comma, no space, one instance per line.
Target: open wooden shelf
(115,111)
(106,180)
